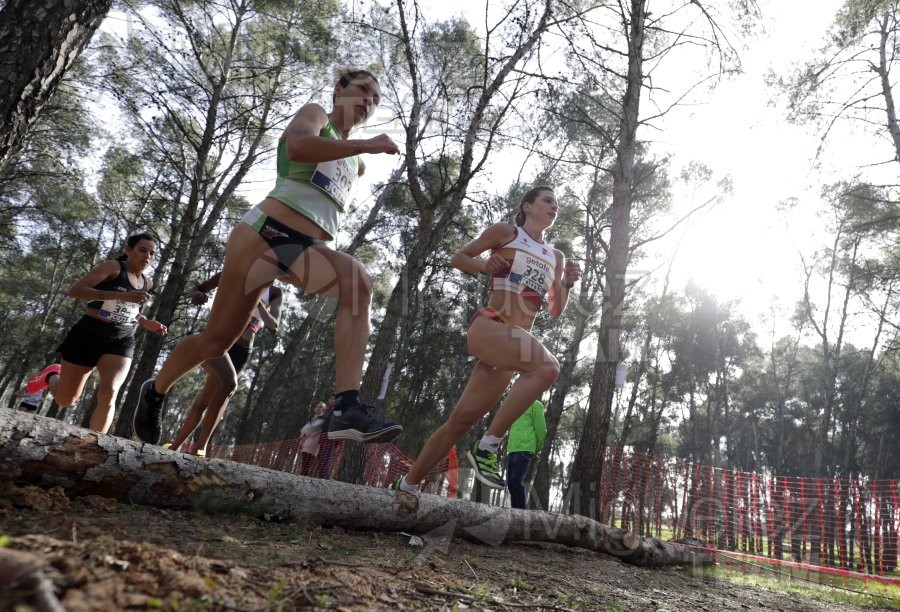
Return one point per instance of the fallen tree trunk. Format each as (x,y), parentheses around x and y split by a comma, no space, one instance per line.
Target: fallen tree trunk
(48,453)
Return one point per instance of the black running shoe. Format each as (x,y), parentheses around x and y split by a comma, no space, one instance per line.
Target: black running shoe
(354,423)
(148,416)
(486,467)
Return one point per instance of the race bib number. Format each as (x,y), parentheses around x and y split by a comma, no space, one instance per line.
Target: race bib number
(532,273)
(336,178)
(33,399)
(121,312)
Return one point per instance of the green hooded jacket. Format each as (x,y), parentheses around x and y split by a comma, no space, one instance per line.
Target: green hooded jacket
(529,431)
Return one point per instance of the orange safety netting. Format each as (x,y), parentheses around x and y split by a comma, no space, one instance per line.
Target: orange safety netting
(844,523)
(849,523)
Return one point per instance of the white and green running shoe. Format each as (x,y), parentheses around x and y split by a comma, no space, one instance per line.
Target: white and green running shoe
(486,467)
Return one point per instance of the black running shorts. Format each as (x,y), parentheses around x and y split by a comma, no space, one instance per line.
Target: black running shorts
(90,339)
(239,355)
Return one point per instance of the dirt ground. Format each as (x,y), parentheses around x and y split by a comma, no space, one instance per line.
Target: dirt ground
(103,555)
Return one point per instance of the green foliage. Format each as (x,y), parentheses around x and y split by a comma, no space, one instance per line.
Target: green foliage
(573,602)
(854,19)
(482,590)
(520,584)
(277,596)
(323,601)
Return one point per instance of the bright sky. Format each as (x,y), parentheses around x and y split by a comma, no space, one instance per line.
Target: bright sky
(745,248)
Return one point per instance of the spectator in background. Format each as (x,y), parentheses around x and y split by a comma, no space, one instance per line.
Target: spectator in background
(310,437)
(35,389)
(526,439)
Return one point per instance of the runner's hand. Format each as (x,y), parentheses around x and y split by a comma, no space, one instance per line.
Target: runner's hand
(572,272)
(154,327)
(137,297)
(382,144)
(495,264)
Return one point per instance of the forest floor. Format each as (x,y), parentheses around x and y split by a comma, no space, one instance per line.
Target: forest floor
(104,555)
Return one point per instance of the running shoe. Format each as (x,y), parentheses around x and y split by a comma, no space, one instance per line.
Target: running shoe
(486,467)
(201,452)
(354,423)
(167,445)
(148,416)
(397,485)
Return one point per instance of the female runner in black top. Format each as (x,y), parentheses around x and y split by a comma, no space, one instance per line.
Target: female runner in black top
(104,337)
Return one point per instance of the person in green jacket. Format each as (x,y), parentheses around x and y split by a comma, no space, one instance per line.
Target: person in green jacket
(526,439)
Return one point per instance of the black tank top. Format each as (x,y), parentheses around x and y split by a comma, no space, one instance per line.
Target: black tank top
(119,283)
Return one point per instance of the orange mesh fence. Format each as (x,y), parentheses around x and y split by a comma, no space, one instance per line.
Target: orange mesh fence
(851,524)
(830,522)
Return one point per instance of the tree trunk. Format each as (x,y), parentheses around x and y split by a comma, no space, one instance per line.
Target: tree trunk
(39,40)
(396,311)
(210,186)
(556,405)
(883,70)
(588,464)
(163,309)
(284,369)
(831,352)
(855,409)
(41,451)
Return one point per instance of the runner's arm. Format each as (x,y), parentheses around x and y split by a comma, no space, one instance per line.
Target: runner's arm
(468,259)
(305,145)
(271,317)
(84,288)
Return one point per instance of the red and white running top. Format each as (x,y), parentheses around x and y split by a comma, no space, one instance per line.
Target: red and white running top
(531,270)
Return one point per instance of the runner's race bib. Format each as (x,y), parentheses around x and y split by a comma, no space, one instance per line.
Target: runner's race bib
(120,312)
(531,273)
(33,399)
(336,178)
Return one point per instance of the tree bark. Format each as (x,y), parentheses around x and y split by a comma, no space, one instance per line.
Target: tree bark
(41,451)
(557,400)
(588,464)
(39,40)
(883,69)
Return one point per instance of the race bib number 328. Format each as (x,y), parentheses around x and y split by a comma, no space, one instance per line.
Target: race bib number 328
(532,273)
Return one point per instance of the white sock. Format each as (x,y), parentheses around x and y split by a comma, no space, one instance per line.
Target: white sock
(409,488)
(490,443)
